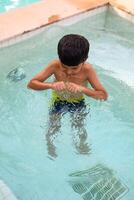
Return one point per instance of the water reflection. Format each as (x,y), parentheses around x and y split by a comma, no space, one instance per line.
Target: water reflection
(78,113)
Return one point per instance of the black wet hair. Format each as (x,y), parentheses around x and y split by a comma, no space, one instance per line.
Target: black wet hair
(73,49)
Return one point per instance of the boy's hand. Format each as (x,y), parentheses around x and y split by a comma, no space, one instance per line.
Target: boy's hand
(58,86)
(74,88)
(99,95)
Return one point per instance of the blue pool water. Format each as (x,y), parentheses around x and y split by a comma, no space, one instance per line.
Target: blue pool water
(6,5)
(34,167)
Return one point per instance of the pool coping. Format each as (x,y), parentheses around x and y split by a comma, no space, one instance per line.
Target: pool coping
(31,18)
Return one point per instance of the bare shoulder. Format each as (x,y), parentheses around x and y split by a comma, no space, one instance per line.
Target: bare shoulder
(56,62)
(90,72)
(52,67)
(49,70)
(53,64)
(88,69)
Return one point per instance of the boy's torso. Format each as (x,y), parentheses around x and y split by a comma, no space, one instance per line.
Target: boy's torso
(79,78)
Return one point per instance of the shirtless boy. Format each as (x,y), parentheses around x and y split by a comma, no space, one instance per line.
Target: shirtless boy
(72,74)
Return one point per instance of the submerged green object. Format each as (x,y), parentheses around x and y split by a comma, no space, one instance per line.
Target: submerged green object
(97,183)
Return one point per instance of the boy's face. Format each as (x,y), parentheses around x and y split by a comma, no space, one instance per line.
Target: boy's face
(71,70)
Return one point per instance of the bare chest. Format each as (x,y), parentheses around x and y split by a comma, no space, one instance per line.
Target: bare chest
(75,78)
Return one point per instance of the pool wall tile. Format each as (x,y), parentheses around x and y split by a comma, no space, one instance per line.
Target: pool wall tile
(76,18)
(28,18)
(116,25)
(124,5)
(64,22)
(125,15)
(16,23)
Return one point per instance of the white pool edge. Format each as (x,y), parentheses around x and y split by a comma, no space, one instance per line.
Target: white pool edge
(69,20)
(36,31)
(5,192)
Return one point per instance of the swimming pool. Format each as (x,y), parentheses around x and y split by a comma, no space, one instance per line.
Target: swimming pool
(6,5)
(25,164)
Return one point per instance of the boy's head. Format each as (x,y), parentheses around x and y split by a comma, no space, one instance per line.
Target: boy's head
(73,49)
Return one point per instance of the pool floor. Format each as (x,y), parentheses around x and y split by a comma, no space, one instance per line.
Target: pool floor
(27,166)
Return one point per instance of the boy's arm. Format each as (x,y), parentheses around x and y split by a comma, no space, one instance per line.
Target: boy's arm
(99,91)
(37,82)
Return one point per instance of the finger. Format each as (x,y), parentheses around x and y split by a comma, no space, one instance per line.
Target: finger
(70,89)
(61,87)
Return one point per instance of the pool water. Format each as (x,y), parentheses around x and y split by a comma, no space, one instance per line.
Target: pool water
(26,165)
(6,5)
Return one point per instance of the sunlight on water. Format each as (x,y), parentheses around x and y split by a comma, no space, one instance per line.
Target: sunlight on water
(6,5)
